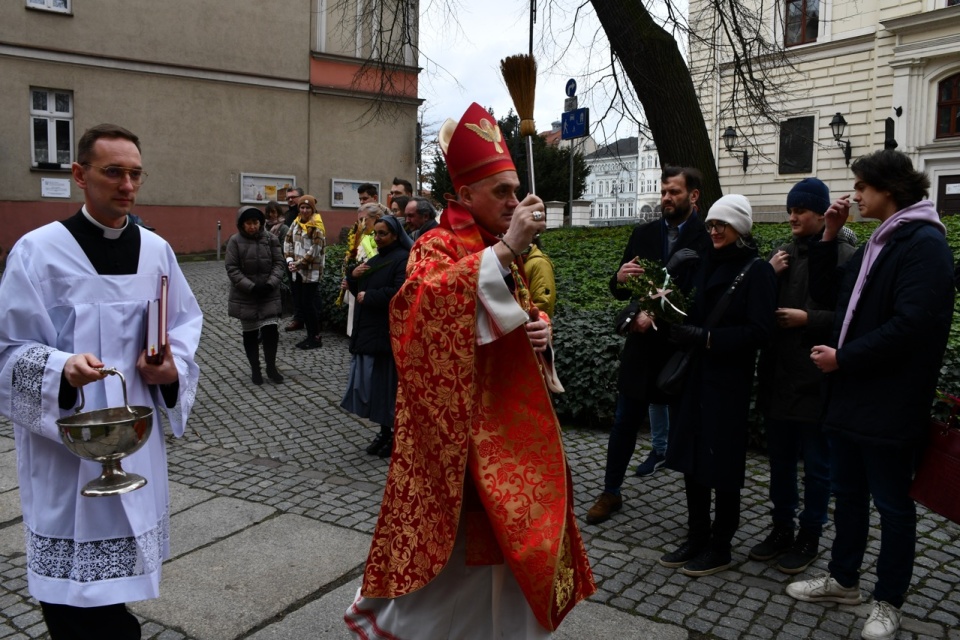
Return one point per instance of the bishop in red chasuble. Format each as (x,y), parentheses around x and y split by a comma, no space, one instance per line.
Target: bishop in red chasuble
(478,477)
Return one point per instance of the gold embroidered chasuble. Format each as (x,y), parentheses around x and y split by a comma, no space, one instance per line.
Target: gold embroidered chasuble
(476,433)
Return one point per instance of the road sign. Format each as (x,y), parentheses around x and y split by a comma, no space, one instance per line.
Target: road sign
(570,104)
(571,88)
(575,124)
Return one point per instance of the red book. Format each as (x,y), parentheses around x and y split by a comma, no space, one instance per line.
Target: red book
(156,339)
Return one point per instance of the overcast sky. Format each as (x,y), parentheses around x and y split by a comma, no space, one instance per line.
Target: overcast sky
(462,64)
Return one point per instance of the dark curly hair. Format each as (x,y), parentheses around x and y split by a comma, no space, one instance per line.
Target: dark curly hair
(892,171)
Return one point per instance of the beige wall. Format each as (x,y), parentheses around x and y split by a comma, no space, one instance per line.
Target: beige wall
(213,88)
(343,144)
(197,136)
(248,36)
(852,69)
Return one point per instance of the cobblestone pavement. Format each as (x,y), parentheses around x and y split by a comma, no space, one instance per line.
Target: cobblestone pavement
(292,448)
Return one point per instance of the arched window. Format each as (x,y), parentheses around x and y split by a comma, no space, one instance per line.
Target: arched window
(948,107)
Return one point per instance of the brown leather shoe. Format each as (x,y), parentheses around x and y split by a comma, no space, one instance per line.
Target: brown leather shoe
(603,508)
(295,325)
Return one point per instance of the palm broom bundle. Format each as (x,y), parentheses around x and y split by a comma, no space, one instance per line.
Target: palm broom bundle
(520,74)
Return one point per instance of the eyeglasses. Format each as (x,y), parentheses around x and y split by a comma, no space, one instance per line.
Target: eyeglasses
(116,174)
(383,234)
(715,225)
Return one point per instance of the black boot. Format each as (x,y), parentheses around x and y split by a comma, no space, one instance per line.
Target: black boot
(386,444)
(778,541)
(383,437)
(801,555)
(690,549)
(271,338)
(386,449)
(250,346)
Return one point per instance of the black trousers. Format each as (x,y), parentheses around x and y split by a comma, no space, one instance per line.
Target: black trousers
(113,621)
(305,293)
(726,519)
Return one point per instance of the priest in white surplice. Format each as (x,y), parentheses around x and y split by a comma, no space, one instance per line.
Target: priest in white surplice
(73,299)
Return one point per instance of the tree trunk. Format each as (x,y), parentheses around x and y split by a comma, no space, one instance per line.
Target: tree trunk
(653,63)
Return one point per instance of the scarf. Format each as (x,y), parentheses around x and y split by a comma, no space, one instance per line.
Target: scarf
(922,211)
(315,221)
(274,228)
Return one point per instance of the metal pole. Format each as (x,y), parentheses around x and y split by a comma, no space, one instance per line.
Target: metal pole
(570,206)
(533,19)
(218,241)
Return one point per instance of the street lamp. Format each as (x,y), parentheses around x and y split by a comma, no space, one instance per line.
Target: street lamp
(730,142)
(837,125)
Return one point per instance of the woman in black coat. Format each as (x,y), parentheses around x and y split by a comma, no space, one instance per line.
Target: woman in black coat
(708,443)
(255,267)
(372,384)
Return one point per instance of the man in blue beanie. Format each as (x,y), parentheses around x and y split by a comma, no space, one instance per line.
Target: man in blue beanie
(789,393)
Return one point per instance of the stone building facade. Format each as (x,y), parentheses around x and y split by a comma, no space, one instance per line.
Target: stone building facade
(889,69)
(233,101)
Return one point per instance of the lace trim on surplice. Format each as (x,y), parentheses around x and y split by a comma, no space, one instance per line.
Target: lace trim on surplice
(187,395)
(66,559)
(27,386)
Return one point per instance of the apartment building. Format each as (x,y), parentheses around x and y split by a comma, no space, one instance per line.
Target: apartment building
(624,182)
(233,100)
(868,74)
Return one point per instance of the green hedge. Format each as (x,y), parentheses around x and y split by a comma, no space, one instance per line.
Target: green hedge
(587,348)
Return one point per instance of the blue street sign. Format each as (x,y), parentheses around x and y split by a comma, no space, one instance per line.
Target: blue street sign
(571,88)
(575,124)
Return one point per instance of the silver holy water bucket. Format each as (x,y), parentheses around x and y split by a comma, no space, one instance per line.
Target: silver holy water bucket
(106,436)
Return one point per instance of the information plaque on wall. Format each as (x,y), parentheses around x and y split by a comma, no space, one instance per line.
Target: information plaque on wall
(259,188)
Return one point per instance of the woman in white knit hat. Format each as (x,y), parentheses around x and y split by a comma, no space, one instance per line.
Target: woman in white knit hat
(709,442)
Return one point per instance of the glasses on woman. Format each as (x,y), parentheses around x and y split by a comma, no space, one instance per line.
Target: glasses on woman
(116,174)
(715,225)
(382,234)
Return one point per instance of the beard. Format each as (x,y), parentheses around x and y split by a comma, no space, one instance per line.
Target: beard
(679,212)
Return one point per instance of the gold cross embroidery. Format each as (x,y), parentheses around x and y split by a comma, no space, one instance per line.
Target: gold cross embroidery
(488,131)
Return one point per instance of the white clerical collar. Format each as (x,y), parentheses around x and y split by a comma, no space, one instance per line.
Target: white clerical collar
(108,232)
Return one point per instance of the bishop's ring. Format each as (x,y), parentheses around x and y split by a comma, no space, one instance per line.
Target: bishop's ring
(537,216)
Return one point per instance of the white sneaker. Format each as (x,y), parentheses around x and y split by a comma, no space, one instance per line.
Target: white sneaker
(824,589)
(883,623)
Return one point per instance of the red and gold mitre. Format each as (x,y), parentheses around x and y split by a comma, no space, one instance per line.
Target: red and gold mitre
(474,148)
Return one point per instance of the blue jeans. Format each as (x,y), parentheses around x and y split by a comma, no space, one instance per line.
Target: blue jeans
(659,427)
(786,440)
(629,415)
(859,471)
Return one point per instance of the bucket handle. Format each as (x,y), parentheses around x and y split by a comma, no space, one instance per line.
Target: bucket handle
(109,371)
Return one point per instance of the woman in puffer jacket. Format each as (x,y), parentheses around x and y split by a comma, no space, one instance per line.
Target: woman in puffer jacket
(255,267)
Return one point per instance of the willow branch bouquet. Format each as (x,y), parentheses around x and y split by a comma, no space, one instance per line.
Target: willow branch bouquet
(657,295)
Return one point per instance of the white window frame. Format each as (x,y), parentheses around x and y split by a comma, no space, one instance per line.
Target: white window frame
(778,25)
(52,116)
(50,5)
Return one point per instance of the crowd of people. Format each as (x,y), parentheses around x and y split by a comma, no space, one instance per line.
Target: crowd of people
(829,320)
(450,335)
